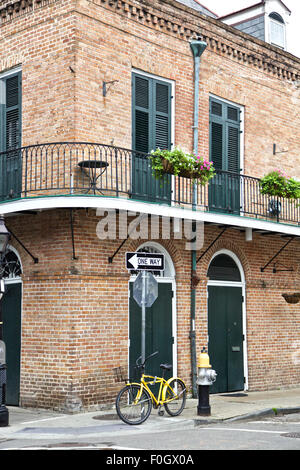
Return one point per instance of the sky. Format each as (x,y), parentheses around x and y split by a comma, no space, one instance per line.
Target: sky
(222,7)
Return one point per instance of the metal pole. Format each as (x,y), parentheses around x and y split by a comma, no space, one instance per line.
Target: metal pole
(198,48)
(143,347)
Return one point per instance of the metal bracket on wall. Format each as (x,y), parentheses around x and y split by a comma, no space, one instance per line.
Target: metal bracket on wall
(275,151)
(285,270)
(36,260)
(110,258)
(105,88)
(275,256)
(212,244)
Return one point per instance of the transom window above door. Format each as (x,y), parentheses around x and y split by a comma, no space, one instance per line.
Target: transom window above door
(11,266)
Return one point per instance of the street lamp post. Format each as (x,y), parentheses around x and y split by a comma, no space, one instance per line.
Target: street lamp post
(4,239)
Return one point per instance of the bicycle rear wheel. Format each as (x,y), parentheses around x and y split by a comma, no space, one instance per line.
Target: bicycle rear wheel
(133,406)
(176,397)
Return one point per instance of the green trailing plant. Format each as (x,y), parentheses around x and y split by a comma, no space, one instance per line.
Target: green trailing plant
(179,163)
(277,183)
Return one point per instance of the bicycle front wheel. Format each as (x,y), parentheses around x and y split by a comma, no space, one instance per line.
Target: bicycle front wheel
(175,397)
(133,404)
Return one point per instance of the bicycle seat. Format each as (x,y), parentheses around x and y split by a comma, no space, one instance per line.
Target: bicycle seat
(166,366)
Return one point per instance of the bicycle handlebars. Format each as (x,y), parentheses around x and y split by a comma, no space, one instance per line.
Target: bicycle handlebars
(148,357)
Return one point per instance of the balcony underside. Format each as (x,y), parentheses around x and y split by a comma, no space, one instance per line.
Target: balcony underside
(111,203)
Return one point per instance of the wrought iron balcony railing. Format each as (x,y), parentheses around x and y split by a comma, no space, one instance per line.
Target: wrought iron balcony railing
(69,168)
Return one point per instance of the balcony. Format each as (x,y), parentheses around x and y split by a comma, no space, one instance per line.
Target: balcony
(101,171)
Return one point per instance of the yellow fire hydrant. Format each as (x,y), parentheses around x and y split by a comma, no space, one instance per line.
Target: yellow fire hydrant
(206,377)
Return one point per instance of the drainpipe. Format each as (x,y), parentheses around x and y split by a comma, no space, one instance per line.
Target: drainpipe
(198,47)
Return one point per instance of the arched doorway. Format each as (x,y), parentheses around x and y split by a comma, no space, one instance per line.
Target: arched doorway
(11,271)
(160,318)
(226,322)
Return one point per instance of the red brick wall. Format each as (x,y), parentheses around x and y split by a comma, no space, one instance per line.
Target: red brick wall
(75,312)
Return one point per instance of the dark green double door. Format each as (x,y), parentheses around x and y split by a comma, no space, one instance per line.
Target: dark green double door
(11,310)
(225,331)
(159,336)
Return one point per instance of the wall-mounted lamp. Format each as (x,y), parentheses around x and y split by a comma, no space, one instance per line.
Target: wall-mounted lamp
(105,88)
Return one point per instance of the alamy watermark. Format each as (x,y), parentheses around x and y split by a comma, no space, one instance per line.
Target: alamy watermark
(126,224)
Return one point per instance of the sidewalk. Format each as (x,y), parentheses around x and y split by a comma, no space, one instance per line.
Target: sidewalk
(234,406)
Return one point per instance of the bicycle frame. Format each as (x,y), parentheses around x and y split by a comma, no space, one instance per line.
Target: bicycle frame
(161,397)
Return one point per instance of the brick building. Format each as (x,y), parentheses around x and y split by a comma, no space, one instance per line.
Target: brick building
(108,81)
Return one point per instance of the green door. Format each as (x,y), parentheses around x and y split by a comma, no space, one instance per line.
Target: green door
(158,331)
(10,137)
(151,129)
(225,331)
(224,188)
(11,308)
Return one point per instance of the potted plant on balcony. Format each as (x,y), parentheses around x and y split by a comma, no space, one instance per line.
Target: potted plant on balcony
(179,163)
(276,183)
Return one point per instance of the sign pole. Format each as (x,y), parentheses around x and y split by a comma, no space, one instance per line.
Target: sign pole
(145,290)
(143,347)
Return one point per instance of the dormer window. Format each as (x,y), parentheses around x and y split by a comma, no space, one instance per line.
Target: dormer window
(277,30)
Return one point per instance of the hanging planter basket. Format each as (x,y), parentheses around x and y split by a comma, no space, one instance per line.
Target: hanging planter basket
(177,162)
(292,298)
(169,169)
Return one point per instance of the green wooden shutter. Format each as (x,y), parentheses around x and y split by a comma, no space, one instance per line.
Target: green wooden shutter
(151,129)
(216,145)
(13,112)
(225,136)
(224,191)
(162,116)
(11,137)
(141,121)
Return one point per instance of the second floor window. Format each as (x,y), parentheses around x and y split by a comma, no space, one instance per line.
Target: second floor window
(151,114)
(10,135)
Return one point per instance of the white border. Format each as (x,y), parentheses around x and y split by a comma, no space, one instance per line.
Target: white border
(10,72)
(242,285)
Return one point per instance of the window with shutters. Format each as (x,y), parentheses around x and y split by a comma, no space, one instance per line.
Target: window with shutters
(151,113)
(225,136)
(11,112)
(151,129)
(10,134)
(225,130)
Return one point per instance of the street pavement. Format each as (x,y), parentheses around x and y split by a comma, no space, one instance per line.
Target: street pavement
(36,424)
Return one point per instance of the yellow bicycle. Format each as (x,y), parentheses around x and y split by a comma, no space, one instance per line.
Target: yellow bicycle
(134,402)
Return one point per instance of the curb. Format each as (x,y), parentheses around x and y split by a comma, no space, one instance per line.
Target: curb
(254,415)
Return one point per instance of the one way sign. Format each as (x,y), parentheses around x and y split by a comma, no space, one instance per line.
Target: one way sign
(145,261)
